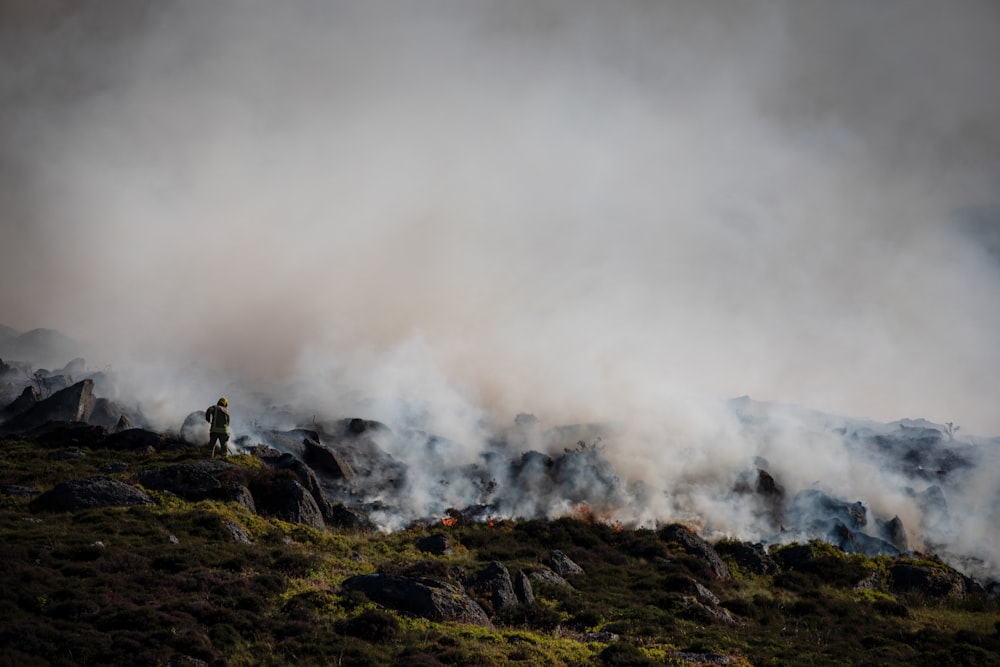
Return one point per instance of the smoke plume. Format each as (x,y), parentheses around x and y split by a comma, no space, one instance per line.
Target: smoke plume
(443,214)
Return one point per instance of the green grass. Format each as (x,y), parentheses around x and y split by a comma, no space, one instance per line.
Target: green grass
(153,584)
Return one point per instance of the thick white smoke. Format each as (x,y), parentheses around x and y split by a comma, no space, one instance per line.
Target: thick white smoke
(442,214)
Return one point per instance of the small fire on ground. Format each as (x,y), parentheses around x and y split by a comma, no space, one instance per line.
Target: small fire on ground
(480,514)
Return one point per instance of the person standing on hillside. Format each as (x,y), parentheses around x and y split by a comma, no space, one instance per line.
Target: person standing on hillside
(218,416)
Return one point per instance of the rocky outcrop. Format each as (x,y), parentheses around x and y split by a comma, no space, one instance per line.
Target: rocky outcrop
(795,556)
(237,532)
(522,588)
(328,461)
(751,558)
(194,429)
(89,493)
(855,542)
(930,579)
(427,598)
(191,481)
(110,414)
(68,434)
(495,582)
(693,545)
(73,404)
(563,565)
(547,576)
(435,544)
(136,439)
(292,502)
(27,400)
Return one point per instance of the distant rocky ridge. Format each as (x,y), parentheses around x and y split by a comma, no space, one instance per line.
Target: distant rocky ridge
(41,348)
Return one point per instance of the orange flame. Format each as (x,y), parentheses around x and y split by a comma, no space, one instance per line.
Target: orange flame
(449,520)
(588,514)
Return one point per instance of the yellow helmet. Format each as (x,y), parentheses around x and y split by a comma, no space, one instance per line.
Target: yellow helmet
(223,402)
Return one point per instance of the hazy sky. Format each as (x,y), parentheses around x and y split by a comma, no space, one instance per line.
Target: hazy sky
(583,210)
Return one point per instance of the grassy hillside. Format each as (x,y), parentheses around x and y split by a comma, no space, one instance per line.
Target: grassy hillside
(165,584)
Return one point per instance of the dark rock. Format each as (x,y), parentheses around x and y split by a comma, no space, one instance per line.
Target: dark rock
(238,532)
(427,598)
(549,577)
(692,609)
(753,558)
(932,579)
(292,502)
(794,557)
(347,518)
(113,467)
(495,581)
(691,587)
(522,588)
(873,582)
(73,404)
(191,481)
(241,495)
(88,493)
(68,434)
(697,547)
(815,513)
(893,532)
(854,542)
(328,460)
(17,490)
(108,413)
(435,544)
(135,439)
(27,400)
(563,564)
(195,428)
(307,478)
(357,426)
(123,424)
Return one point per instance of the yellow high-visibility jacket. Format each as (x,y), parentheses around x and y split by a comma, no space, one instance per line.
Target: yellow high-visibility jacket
(218,416)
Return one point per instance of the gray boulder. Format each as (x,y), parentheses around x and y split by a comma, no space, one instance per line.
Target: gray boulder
(427,598)
(522,588)
(563,564)
(108,413)
(436,544)
(67,434)
(27,400)
(854,542)
(693,545)
(753,558)
(73,404)
(547,576)
(934,580)
(794,557)
(290,501)
(195,428)
(136,439)
(238,533)
(494,580)
(240,494)
(191,481)
(328,461)
(89,493)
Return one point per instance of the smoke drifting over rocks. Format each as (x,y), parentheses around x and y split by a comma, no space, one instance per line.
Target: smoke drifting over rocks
(438,217)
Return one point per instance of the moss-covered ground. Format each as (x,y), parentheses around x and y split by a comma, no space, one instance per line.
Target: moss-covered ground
(164,584)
